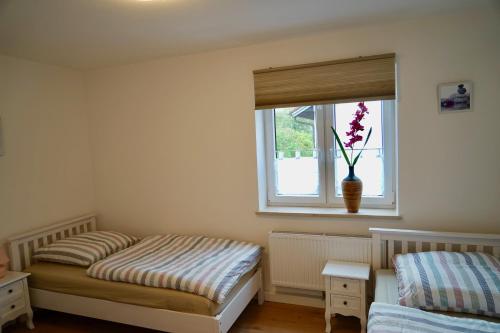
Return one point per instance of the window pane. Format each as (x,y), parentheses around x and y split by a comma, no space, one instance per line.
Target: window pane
(296,155)
(370,166)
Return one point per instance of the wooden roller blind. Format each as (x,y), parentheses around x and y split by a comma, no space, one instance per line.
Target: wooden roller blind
(363,78)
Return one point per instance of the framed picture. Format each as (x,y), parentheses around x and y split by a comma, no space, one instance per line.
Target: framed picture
(455,96)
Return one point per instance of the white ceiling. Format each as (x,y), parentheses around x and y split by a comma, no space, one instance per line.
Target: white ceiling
(94,33)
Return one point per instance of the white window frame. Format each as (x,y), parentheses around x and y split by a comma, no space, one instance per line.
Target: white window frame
(294,200)
(326,171)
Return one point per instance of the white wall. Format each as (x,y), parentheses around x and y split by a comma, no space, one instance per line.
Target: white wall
(174,140)
(45,174)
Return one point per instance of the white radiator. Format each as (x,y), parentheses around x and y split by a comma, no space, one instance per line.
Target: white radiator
(298,259)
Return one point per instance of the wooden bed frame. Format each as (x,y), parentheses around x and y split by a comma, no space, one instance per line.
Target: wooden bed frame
(388,242)
(22,246)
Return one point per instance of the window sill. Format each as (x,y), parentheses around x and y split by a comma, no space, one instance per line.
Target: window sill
(330,212)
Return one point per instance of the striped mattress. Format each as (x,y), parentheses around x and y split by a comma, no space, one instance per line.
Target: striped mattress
(200,265)
(390,318)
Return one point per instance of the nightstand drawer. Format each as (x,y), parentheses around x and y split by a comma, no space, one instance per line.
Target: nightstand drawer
(14,298)
(340,302)
(13,308)
(345,286)
(11,289)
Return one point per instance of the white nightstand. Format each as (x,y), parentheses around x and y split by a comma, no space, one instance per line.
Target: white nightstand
(15,299)
(345,290)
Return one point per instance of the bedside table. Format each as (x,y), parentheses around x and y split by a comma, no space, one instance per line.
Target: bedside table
(15,299)
(345,290)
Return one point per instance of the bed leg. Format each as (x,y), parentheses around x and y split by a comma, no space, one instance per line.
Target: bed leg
(29,320)
(260,292)
(363,325)
(217,328)
(260,296)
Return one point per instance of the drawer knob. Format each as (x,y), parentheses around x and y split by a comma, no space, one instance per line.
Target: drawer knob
(345,302)
(345,285)
(10,291)
(13,306)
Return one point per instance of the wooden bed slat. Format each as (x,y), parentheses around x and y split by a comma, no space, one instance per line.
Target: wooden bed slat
(404,246)
(390,253)
(26,255)
(35,244)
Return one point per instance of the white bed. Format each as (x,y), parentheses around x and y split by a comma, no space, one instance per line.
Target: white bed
(388,242)
(22,246)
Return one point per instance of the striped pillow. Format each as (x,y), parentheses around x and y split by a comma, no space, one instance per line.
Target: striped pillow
(85,249)
(449,281)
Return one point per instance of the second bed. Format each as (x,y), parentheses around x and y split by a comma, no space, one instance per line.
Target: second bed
(209,303)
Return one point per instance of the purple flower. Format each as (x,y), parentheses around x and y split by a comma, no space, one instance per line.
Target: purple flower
(355,126)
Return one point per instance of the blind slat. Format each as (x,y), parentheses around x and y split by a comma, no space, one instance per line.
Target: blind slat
(363,78)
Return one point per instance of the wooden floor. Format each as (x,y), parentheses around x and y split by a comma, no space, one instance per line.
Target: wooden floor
(270,317)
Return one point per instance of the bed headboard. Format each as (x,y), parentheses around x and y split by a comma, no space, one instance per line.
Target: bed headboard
(21,246)
(388,242)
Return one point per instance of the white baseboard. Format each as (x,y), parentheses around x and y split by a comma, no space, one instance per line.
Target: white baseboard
(294,299)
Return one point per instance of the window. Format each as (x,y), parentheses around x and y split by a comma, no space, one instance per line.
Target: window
(299,163)
(304,165)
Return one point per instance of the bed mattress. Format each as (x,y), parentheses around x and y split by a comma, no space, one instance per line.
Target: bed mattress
(73,280)
(386,291)
(386,287)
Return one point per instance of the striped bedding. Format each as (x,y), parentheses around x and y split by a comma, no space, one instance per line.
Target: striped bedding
(390,318)
(449,281)
(204,266)
(86,248)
